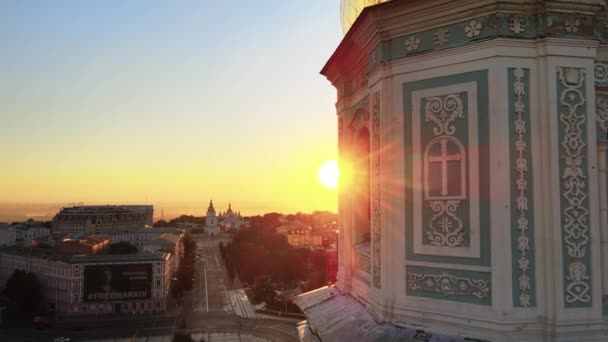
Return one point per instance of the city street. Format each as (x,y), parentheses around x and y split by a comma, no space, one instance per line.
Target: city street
(213,307)
(209,289)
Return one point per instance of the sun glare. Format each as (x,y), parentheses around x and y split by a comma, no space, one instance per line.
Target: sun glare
(329,174)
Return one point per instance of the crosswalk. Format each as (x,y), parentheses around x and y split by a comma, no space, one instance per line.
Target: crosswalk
(240,304)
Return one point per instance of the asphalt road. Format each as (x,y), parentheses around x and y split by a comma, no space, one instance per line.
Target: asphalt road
(207,309)
(209,288)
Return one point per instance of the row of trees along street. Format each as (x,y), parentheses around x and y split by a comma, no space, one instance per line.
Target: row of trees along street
(185,270)
(264,261)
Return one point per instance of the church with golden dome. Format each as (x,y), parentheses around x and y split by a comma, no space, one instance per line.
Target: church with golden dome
(231,219)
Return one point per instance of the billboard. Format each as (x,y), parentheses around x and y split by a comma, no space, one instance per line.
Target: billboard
(117,282)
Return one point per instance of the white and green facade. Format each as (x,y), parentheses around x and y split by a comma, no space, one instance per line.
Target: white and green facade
(486,172)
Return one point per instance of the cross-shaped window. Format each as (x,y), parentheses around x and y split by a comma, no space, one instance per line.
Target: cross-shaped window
(444,164)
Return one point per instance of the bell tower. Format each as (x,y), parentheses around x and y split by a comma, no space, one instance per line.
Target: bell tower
(211,224)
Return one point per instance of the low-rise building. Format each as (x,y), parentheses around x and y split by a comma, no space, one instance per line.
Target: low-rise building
(187,225)
(95,284)
(22,234)
(304,238)
(138,236)
(80,244)
(28,233)
(92,218)
(8,235)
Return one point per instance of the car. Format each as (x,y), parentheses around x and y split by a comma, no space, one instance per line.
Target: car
(61,339)
(41,322)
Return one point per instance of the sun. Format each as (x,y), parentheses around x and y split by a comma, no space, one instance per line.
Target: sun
(329,173)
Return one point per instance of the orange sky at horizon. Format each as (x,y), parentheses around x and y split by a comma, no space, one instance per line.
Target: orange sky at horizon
(170,104)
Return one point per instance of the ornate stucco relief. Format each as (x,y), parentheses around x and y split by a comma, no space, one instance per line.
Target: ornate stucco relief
(601,110)
(600,73)
(574,186)
(445,228)
(456,285)
(363,263)
(446,222)
(521,195)
(376,196)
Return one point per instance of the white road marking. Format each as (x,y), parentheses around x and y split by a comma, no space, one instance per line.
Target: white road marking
(206,292)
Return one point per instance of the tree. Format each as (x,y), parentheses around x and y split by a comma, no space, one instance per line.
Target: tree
(24,290)
(160,223)
(185,271)
(123,247)
(222,250)
(182,337)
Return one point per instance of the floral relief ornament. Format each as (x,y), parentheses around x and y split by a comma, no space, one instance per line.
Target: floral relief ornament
(448,285)
(600,72)
(521,167)
(442,36)
(572,25)
(517,24)
(412,43)
(472,29)
(443,113)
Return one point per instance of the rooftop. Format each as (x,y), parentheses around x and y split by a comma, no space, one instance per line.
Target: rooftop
(53,254)
(111,231)
(101,258)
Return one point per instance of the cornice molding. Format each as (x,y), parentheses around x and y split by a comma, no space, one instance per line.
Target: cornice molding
(399,29)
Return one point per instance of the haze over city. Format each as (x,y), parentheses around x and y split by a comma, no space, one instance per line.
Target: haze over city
(170,104)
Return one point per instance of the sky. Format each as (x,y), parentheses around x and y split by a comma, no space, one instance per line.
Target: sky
(170,103)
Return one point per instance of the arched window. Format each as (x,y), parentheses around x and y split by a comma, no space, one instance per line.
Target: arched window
(361,185)
(444,169)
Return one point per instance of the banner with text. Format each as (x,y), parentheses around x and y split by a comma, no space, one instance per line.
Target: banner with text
(117,282)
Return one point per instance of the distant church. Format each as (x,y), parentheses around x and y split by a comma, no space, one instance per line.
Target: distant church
(231,219)
(478,209)
(211,223)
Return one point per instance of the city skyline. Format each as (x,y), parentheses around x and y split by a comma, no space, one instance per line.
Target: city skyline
(119,105)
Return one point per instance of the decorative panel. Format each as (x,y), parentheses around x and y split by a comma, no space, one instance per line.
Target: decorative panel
(363,265)
(447,284)
(522,210)
(601,112)
(497,25)
(574,185)
(447,170)
(376,216)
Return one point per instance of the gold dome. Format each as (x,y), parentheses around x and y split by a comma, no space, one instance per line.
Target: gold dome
(350,10)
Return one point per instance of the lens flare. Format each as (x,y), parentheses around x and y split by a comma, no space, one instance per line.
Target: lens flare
(329,174)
